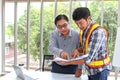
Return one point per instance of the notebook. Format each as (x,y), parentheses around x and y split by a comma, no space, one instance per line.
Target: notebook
(22,76)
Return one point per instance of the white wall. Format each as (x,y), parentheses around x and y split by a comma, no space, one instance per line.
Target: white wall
(116,56)
(0,36)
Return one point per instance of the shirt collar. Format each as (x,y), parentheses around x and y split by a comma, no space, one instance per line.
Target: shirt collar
(88,26)
(70,33)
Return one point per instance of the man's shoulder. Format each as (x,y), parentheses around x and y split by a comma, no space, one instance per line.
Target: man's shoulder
(55,32)
(99,30)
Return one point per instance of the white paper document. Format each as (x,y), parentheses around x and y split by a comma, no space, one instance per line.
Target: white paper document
(78,58)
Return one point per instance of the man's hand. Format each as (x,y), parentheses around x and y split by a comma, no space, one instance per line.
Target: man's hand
(75,53)
(80,50)
(78,73)
(64,55)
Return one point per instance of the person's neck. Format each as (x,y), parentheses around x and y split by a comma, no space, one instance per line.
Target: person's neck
(65,35)
(89,23)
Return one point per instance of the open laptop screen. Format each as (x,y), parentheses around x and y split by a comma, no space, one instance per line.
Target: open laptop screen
(19,72)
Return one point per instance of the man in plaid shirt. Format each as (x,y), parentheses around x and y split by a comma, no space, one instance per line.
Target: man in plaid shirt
(94,43)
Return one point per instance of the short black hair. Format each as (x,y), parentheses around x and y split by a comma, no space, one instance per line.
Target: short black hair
(81,12)
(60,17)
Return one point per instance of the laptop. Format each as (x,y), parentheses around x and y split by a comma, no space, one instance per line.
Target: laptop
(21,76)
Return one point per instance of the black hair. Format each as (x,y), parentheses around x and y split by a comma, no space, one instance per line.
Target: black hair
(60,17)
(81,12)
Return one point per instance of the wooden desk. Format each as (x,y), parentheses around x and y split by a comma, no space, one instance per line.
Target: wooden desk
(46,76)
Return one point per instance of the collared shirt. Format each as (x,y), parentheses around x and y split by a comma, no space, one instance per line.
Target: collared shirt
(97,49)
(59,43)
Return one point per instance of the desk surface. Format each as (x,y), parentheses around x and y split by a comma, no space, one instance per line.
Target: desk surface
(46,76)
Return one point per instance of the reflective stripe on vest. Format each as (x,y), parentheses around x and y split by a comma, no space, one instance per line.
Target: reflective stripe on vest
(94,63)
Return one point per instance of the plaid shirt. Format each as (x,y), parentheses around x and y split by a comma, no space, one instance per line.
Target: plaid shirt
(97,49)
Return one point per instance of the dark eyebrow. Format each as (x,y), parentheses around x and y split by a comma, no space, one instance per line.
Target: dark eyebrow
(62,24)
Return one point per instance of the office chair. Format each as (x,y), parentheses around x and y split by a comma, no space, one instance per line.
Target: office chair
(47,62)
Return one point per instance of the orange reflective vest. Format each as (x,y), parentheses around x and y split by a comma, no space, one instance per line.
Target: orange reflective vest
(94,63)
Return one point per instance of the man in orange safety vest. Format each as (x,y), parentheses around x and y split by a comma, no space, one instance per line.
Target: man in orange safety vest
(93,39)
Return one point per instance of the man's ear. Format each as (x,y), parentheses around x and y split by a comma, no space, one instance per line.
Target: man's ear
(89,18)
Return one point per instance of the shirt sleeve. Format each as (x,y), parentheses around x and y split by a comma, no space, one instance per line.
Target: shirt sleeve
(53,45)
(80,66)
(98,38)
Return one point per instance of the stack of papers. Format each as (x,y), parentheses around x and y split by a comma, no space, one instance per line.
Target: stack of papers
(57,59)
